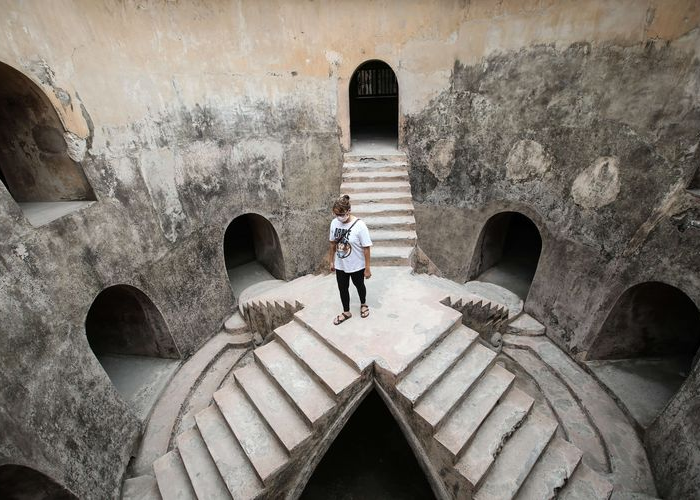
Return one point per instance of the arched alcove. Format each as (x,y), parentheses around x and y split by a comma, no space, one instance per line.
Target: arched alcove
(34,163)
(508,252)
(252,252)
(647,347)
(370,458)
(132,342)
(374,104)
(24,483)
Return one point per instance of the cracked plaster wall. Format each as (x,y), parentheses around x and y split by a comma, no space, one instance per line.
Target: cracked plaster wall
(185,115)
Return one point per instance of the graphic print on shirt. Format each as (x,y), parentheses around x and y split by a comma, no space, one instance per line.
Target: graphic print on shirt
(343,248)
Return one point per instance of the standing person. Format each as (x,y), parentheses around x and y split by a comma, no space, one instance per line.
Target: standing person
(349,256)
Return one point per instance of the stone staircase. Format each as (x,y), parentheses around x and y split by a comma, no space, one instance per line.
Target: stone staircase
(272,415)
(381,196)
(482,433)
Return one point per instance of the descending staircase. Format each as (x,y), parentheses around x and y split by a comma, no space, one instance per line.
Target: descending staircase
(482,433)
(381,196)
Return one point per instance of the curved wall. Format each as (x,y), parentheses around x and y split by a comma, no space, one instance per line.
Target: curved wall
(582,115)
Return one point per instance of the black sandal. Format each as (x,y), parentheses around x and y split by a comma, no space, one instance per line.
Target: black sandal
(341,317)
(364,310)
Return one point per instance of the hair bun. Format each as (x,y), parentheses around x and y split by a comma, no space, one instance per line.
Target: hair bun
(346,197)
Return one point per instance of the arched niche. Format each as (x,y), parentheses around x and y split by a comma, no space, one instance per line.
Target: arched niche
(131,340)
(370,458)
(647,346)
(252,252)
(18,482)
(508,252)
(35,167)
(374,104)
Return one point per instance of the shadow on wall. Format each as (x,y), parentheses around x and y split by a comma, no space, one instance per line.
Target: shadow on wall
(23,483)
(252,252)
(35,165)
(508,252)
(647,347)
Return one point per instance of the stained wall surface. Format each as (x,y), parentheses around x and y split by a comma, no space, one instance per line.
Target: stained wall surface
(583,116)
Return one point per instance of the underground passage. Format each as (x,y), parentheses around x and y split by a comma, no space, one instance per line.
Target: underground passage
(509,252)
(252,252)
(374,104)
(24,483)
(369,459)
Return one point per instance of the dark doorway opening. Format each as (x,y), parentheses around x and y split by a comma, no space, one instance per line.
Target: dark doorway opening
(34,163)
(132,342)
(23,483)
(252,252)
(370,459)
(647,347)
(508,252)
(374,105)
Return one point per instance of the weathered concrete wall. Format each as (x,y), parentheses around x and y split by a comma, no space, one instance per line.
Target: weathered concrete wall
(185,115)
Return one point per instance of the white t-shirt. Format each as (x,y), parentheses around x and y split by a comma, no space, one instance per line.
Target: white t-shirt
(350,259)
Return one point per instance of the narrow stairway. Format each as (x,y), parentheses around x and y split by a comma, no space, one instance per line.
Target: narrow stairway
(380,195)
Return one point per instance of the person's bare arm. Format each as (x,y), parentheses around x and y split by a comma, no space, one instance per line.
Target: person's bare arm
(368,272)
(331,255)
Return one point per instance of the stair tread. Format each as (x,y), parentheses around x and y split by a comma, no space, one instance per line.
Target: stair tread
(309,396)
(173,481)
(333,371)
(403,252)
(233,464)
(398,220)
(375,208)
(428,370)
(586,484)
(436,404)
(286,423)
(496,429)
(262,448)
(360,185)
(374,165)
(141,488)
(355,175)
(393,234)
(377,196)
(517,458)
(553,469)
(200,466)
(464,422)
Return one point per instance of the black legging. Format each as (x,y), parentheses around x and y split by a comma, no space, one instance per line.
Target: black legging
(343,279)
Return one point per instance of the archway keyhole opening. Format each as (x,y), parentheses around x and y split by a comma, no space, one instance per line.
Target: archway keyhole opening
(649,343)
(252,252)
(374,105)
(508,252)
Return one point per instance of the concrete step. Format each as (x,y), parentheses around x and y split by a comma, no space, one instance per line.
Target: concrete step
(282,417)
(389,237)
(437,403)
(200,466)
(366,175)
(262,447)
(257,289)
(552,471)
(351,156)
(383,197)
(307,394)
(391,256)
(401,222)
(517,458)
(493,433)
(586,484)
(173,481)
(141,488)
(375,186)
(329,368)
(575,421)
(432,367)
(234,467)
(462,425)
(382,209)
(236,324)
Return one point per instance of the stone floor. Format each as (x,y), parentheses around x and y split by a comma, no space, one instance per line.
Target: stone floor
(40,213)
(509,274)
(246,275)
(374,143)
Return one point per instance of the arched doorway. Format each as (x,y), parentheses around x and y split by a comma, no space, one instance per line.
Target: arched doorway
(132,342)
(370,458)
(24,483)
(35,167)
(252,252)
(647,346)
(374,105)
(508,252)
